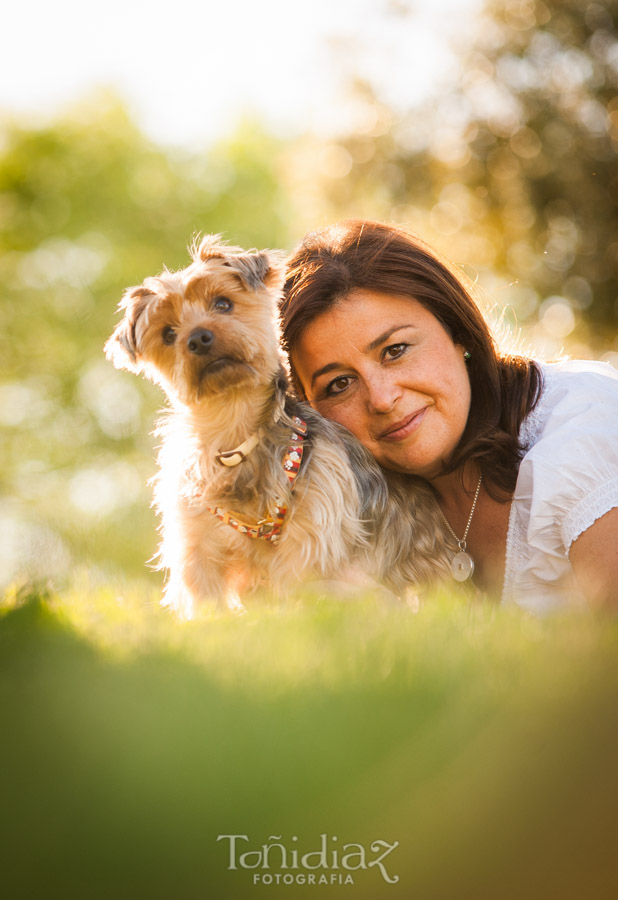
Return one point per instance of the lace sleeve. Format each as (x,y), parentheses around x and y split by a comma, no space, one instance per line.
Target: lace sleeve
(588,510)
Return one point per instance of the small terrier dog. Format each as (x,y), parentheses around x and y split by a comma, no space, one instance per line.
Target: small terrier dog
(254,486)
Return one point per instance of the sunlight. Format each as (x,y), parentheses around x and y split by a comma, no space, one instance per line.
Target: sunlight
(189,76)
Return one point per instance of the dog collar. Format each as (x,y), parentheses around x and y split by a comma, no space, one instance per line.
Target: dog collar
(240,453)
(269,528)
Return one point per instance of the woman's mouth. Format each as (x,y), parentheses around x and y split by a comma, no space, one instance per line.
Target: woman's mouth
(404,427)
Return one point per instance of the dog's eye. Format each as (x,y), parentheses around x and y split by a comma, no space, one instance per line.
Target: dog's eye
(223,304)
(169,335)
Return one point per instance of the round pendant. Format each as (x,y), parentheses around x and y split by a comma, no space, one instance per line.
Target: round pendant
(462,566)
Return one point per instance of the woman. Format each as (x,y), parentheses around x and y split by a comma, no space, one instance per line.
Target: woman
(384,338)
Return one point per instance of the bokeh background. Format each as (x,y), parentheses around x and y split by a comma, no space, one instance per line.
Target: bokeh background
(490,128)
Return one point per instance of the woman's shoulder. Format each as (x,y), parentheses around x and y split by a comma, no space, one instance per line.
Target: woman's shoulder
(569,472)
(568,478)
(577,372)
(573,393)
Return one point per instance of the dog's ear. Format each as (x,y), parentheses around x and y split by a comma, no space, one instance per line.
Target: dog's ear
(122,348)
(208,247)
(258,270)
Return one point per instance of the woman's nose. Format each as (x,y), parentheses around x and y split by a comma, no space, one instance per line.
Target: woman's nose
(382,394)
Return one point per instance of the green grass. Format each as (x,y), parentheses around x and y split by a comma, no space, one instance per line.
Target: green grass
(482,740)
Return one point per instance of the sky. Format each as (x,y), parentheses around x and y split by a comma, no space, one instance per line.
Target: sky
(187,70)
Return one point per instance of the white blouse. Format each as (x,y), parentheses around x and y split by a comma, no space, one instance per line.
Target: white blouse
(567,479)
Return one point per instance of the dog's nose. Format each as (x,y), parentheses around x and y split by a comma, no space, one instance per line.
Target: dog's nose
(200,341)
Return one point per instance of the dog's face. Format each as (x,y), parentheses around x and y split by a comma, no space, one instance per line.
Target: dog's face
(208,329)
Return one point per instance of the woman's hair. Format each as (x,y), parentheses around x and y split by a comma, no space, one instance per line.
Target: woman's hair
(329,265)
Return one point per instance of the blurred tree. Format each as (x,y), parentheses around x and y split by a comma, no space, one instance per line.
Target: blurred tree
(542,133)
(88,206)
(515,167)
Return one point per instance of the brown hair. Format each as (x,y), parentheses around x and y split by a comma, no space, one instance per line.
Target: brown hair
(330,264)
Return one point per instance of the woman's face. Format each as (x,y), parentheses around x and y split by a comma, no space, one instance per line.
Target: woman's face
(386,369)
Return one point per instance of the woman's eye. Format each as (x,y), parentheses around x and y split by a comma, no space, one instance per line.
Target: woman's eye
(223,304)
(395,351)
(169,335)
(337,385)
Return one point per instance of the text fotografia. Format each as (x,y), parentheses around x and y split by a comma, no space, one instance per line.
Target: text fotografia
(276,862)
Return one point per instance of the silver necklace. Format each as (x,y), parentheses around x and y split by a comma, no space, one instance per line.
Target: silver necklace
(462,564)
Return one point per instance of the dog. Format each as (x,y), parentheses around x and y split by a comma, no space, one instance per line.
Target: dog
(255,487)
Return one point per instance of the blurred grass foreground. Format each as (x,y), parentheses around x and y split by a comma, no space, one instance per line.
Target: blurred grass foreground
(476,743)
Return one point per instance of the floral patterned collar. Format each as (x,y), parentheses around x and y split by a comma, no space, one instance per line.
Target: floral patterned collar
(269,528)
